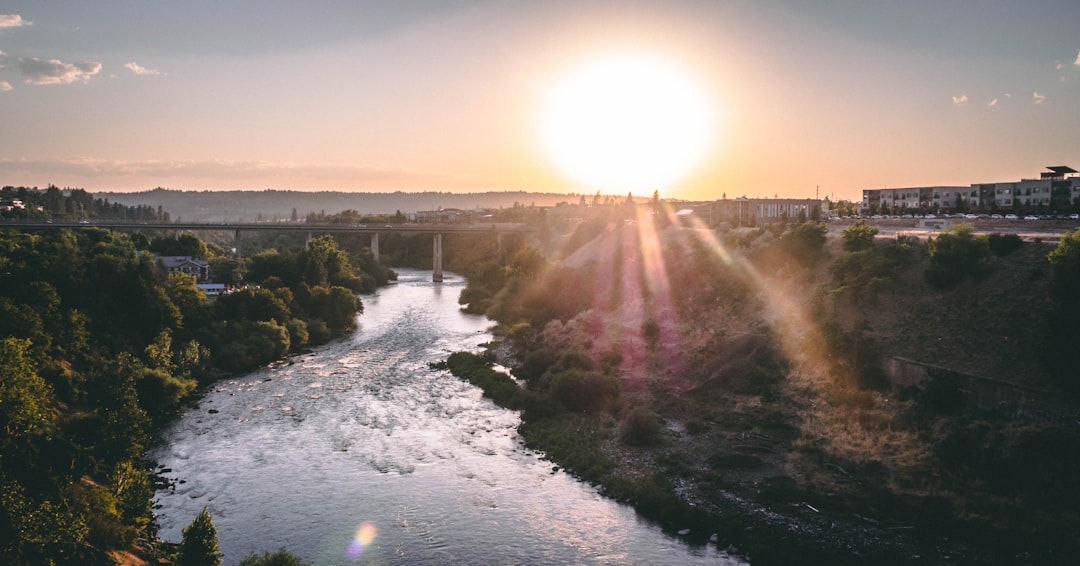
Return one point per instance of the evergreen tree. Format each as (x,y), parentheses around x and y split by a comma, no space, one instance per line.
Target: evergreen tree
(199,546)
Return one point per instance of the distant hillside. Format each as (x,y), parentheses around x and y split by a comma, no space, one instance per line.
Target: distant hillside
(238,206)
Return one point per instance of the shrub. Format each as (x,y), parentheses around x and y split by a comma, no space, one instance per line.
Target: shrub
(640,427)
(580,390)
(1003,244)
(955,255)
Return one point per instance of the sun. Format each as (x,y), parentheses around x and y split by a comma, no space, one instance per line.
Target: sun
(626,123)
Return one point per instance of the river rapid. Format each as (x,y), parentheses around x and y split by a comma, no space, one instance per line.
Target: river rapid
(359,453)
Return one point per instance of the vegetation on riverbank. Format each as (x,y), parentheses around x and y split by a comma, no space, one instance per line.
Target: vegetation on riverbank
(99,345)
(736,384)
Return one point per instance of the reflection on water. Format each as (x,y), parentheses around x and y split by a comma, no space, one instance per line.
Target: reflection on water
(359,453)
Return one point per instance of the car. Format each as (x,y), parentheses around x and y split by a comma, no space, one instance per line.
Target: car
(1074,217)
(930,216)
(1031,217)
(996,216)
(970,216)
(1010,217)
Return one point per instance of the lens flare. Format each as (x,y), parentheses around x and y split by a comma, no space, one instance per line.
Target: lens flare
(365,535)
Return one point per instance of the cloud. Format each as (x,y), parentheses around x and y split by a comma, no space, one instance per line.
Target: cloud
(1038,98)
(992,103)
(961,100)
(5,86)
(12,21)
(140,70)
(218,172)
(54,71)
(1077,62)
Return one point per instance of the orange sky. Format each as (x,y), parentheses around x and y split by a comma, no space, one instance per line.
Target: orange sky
(384,96)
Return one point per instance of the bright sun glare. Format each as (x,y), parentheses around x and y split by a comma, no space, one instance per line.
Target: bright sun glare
(626,123)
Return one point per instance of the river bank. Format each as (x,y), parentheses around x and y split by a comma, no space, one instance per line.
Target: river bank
(739,492)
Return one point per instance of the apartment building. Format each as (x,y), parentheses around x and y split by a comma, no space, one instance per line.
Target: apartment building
(1055,190)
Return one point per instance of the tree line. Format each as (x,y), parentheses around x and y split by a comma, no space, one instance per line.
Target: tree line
(71,204)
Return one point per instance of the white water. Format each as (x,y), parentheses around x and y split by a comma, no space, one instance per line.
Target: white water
(361,433)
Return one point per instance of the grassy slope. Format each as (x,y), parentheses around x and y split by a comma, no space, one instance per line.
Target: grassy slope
(818,469)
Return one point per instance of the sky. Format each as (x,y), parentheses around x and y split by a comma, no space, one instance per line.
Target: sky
(804,99)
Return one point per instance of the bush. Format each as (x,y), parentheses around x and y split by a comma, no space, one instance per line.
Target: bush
(1003,244)
(640,427)
(582,390)
(955,255)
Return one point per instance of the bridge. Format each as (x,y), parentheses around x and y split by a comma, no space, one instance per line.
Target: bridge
(436,229)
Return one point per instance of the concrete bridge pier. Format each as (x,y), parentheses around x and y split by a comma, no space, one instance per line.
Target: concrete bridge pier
(307,241)
(236,243)
(375,245)
(437,274)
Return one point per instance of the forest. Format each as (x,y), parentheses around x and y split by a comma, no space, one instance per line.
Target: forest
(99,345)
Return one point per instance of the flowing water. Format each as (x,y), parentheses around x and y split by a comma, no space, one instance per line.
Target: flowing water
(358,453)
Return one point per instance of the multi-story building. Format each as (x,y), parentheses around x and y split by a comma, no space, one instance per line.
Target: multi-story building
(1057,189)
(897,201)
(753,211)
(199,268)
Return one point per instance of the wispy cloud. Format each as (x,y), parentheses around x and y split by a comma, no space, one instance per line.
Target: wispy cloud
(992,103)
(1077,62)
(54,71)
(961,100)
(12,21)
(140,70)
(1038,98)
(218,171)
(5,86)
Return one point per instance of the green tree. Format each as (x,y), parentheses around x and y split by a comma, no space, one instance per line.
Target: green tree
(337,306)
(859,236)
(955,255)
(805,242)
(1065,321)
(199,546)
(279,558)
(25,398)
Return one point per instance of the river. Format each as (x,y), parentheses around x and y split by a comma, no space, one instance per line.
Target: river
(358,453)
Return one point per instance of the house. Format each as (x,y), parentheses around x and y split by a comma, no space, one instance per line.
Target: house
(212,289)
(198,268)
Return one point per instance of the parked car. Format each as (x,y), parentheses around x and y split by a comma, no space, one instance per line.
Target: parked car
(996,216)
(1010,217)
(1031,217)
